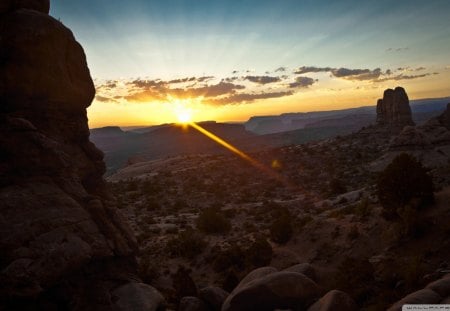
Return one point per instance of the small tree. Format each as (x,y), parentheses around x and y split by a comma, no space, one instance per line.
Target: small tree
(404,182)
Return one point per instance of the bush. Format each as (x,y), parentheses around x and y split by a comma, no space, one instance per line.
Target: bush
(212,221)
(186,244)
(281,230)
(404,182)
(232,257)
(259,254)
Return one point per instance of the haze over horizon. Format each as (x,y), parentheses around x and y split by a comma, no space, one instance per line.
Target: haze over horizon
(227,61)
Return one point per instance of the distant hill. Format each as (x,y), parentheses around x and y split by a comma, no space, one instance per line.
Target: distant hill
(167,140)
(121,147)
(422,110)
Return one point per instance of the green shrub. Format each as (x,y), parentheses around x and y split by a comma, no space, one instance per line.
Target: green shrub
(281,230)
(404,182)
(212,221)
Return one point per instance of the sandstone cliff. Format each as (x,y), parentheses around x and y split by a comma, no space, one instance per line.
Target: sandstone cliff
(62,241)
(394,109)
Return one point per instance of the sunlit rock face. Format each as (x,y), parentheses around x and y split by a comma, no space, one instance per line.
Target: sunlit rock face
(61,238)
(394,109)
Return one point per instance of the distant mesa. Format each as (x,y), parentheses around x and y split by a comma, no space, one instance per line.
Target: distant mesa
(394,109)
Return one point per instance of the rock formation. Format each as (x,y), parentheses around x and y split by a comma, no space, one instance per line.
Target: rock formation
(62,241)
(394,109)
(437,292)
(429,143)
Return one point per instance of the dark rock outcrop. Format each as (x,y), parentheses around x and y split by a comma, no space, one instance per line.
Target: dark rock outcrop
(62,241)
(394,109)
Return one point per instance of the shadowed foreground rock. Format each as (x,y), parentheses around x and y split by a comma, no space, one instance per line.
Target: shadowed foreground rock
(63,244)
(276,290)
(437,292)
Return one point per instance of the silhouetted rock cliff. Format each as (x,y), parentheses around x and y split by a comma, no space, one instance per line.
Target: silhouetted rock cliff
(62,241)
(394,109)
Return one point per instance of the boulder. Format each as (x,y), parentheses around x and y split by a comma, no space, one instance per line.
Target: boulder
(305,269)
(253,275)
(189,303)
(138,296)
(423,296)
(334,300)
(213,296)
(442,287)
(278,290)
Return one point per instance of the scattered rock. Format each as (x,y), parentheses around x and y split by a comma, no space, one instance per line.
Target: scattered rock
(138,296)
(254,275)
(278,290)
(334,300)
(213,296)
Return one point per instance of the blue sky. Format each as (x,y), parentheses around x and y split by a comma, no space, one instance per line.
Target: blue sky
(174,39)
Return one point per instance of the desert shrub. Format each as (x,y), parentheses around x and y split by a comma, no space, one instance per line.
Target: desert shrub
(362,209)
(188,244)
(183,284)
(148,270)
(212,221)
(232,257)
(260,253)
(353,233)
(281,230)
(404,182)
(336,187)
(132,185)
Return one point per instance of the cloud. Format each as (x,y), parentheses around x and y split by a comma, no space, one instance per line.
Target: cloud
(262,79)
(104,99)
(405,77)
(309,69)
(281,69)
(302,82)
(357,74)
(248,97)
(400,49)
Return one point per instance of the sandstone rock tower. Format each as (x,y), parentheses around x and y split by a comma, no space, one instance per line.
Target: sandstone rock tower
(62,241)
(394,110)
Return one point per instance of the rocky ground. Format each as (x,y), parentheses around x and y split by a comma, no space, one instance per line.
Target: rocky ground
(328,192)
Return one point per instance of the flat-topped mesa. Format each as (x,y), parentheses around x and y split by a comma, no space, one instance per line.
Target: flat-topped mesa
(394,109)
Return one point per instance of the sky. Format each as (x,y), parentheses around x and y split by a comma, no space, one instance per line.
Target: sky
(228,60)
